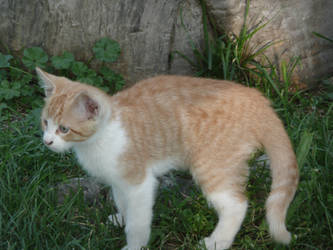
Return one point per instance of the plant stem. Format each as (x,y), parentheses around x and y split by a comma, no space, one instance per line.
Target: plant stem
(22,71)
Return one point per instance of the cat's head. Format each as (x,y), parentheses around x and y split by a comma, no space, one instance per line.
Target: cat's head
(72,113)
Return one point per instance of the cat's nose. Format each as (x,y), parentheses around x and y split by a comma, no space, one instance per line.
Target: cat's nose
(48,143)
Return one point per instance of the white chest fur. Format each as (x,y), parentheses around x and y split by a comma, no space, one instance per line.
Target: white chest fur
(99,155)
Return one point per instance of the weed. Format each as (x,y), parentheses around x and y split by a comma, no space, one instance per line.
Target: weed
(223,56)
(323,37)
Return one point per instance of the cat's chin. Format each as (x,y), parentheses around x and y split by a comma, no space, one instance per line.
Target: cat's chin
(59,150)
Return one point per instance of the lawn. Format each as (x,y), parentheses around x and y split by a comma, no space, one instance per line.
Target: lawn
(31,217)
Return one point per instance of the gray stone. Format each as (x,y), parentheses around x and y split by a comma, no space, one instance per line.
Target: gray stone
(149,31)
(292,23)
(89,186)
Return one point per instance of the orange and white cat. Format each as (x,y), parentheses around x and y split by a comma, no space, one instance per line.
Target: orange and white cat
(210,127)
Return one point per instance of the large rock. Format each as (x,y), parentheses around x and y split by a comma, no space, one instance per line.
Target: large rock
(148,30)
(292,23)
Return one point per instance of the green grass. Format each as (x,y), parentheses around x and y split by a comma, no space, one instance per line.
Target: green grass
(30,217)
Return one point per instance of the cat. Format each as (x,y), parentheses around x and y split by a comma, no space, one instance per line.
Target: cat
(210,127)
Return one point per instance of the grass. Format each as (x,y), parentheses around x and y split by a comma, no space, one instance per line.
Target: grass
(31,217)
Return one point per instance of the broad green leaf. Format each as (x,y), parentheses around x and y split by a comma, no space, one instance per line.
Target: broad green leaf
(2,106)
(64,61)
(113,78)
(3,74)
(4,60)
(79,69)
(108,74)
(34,57)
(304,147)
(94,80)
(15,74)
(107,50)
(8,92)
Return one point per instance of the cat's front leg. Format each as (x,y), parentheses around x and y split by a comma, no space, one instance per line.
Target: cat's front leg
(118,196)
(139,212)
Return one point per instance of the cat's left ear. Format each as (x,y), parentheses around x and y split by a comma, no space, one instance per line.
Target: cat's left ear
(85,106)
(47,83)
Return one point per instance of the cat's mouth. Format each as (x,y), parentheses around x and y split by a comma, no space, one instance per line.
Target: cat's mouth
(57,149)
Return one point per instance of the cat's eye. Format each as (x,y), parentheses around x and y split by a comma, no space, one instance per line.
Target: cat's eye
(45,122)
(63,129)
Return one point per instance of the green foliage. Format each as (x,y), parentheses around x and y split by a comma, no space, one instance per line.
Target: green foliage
(323,37)
(327,85)
(112,76)
(107,50)
(18,81)
(9,91)
(34,57)
(4,60)
(79,69)
(226,57)
(64,61)
(304,147)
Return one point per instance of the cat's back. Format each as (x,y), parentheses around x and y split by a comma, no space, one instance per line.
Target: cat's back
(181,91)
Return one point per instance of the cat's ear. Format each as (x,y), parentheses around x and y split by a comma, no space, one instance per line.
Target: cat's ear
(46,82)
(85,106)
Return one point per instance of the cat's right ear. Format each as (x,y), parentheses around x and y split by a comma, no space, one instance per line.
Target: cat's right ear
(46,82)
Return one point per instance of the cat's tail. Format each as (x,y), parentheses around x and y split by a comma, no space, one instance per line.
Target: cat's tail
(284,178)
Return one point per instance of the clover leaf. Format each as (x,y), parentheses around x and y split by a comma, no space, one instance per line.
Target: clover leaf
(9,90)
(79,69)
(107,50)
(34,57)
(112,77)
(64,61)
(4,60)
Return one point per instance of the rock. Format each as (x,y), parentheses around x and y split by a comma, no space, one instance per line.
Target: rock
(292,23)
(182,183)
(149,31)
(90,187)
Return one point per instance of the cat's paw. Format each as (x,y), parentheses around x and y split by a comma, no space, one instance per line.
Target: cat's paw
(131,248)
(117,219)
(213,244)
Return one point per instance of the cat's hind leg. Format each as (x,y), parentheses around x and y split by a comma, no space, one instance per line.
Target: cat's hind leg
(231,211)
(223,183)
